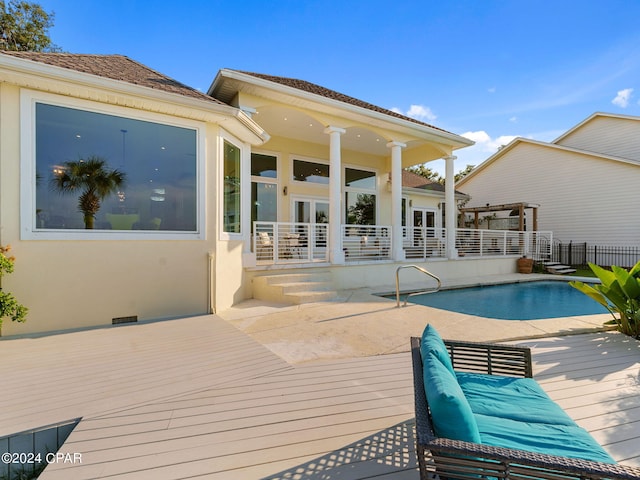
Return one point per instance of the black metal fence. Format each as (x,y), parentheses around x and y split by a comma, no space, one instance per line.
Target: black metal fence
(580,254)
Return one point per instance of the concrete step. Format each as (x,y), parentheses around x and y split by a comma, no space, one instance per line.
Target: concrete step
(299,298)
(296,288)
(558,268)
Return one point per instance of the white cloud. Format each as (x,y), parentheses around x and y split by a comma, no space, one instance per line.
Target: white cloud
(485,143)
(623,97)
(419,112)
(513,119)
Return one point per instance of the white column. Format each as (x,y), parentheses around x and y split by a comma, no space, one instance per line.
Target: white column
(396,199)
(336,255)
(450,207)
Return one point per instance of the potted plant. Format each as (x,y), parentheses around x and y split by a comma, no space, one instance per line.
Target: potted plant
(525,265)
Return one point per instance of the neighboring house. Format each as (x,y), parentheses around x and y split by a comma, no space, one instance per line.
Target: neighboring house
(262,175)
(585,182)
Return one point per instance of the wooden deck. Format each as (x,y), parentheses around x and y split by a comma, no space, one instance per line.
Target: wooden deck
(197,399)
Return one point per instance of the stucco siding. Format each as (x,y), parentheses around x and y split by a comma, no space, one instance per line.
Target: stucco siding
(582,198)
(72,283)
(607,135)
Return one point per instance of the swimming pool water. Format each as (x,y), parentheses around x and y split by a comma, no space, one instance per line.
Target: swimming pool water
(514,301)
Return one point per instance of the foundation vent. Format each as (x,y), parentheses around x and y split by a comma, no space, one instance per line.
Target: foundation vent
(119,320)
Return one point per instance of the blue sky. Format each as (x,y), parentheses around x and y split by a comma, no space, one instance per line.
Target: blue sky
(488,70)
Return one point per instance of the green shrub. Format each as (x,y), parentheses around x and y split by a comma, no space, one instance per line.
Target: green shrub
(9,306)
(619,293)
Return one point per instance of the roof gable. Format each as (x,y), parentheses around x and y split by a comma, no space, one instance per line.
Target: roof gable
(481,169)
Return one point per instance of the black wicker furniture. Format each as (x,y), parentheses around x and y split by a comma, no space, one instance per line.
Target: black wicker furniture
(445,458)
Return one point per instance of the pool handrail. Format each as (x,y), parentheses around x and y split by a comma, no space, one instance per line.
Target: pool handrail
(423,270)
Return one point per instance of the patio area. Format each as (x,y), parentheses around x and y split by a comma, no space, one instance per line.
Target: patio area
(199,398)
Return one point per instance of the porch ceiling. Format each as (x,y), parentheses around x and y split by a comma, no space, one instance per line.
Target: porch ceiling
(282,121)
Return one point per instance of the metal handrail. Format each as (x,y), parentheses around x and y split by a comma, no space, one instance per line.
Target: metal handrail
(426,272)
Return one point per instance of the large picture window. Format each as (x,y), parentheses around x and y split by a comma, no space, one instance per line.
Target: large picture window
(97,171)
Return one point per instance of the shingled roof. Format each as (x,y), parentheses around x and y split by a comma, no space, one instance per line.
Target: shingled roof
(333,95)
(413,180)
(115,67)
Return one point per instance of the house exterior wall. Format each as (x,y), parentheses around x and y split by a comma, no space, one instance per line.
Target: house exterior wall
(72,283)
(582,198)
(613,136)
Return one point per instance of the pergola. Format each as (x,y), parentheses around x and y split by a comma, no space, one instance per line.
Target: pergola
(511,207)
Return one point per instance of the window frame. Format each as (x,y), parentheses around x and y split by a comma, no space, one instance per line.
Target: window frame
(28,222)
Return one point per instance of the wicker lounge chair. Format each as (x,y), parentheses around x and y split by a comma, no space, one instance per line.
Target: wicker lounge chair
(449,459)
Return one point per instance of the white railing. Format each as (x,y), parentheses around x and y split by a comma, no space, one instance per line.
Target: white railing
(481,243)
(424,242)
(280,242)
(366,242)
(286,243)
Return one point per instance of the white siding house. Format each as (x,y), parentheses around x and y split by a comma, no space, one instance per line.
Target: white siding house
(586,181)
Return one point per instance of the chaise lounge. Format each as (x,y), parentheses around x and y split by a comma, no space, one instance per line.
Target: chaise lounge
(480,414)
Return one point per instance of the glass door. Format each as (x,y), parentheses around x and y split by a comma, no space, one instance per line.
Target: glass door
(315,212)
(424,222)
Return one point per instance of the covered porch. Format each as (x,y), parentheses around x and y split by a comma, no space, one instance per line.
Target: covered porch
(288,243)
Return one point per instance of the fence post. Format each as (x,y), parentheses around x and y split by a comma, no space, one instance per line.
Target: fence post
(570,253)
(595,254)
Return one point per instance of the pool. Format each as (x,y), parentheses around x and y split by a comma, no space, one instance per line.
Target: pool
(514,301)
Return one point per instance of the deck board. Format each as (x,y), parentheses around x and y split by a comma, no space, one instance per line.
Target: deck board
(53,378)
(228,408)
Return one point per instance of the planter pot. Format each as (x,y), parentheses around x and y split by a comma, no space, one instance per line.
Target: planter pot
(525,265)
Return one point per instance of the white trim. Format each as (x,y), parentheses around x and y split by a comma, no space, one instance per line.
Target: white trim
(28,227)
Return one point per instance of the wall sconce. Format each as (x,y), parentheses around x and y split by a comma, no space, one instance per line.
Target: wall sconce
(285,190)
(411,203)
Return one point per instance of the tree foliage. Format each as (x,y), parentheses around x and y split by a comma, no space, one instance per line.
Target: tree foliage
(429,174)
(463,173)
(24,26)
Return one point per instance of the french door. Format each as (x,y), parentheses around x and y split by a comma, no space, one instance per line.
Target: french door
(314,211)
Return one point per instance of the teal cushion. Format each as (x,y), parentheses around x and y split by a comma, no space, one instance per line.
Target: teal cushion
(562,440)
(432,342)
(521,399)
(452,417)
